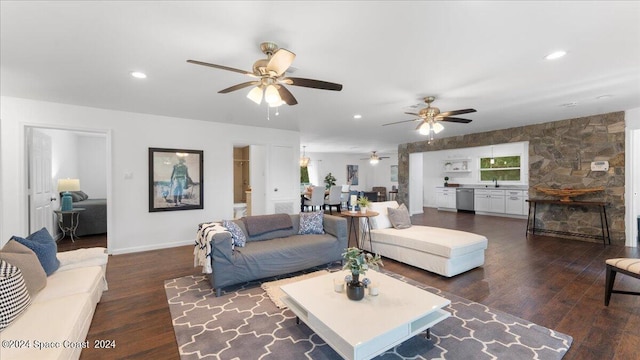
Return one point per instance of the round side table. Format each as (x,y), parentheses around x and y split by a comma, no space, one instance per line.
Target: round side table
(74,215)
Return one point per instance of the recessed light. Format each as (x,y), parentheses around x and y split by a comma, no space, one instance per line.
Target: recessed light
(357,116)
(556,55)
(601,97)
(138,75)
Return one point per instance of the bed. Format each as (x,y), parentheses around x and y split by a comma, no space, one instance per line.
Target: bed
(93,220)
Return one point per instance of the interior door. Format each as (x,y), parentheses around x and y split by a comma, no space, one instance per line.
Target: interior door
(282,180)
(41,192)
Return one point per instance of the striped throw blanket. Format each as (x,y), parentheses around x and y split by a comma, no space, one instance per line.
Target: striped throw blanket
(202,248)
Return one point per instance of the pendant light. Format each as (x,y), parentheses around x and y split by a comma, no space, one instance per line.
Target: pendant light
(304,160)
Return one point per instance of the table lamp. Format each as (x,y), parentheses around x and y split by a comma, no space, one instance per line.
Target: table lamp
(66,185)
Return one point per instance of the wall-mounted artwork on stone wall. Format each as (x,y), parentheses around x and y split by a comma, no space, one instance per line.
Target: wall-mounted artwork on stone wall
(352,174)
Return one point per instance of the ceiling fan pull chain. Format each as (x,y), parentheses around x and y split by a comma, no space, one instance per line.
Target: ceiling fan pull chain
(268,113)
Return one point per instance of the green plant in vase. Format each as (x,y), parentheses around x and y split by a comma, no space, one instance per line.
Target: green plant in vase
(329,181)
(358,262)
(446,181)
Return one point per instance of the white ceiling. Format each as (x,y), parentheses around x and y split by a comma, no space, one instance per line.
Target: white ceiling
(387,54)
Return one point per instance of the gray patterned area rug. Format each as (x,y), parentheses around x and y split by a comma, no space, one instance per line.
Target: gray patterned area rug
(244,323)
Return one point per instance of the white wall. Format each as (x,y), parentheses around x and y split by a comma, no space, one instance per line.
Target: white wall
(433,171)
(92,165)
(336,163)
(77,155)
(129,135)
(632,175)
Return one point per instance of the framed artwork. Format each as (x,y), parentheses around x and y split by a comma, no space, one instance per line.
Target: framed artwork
(394,173)
(352,174)
(175,179)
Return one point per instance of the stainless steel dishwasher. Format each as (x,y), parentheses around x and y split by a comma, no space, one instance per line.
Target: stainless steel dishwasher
(464,199)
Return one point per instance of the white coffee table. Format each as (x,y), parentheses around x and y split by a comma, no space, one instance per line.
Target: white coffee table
(366,328)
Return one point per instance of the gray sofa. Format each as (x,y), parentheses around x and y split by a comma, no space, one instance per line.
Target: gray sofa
(276,252)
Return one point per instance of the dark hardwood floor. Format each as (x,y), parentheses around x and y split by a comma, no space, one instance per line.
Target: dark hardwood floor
(557,283)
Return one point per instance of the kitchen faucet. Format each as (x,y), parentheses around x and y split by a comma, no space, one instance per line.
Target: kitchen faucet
(496,182)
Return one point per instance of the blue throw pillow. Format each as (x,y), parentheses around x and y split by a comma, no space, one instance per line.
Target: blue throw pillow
(311,223)
(45,248)
(238,237)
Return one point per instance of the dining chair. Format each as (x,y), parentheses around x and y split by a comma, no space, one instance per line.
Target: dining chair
(382,192)
(334,199)
(317,198)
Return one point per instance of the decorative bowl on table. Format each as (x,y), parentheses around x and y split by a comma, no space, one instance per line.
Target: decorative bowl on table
(566,194)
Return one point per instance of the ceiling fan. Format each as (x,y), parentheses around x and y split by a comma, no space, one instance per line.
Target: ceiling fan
(375,158)
(430,117)
(269,75)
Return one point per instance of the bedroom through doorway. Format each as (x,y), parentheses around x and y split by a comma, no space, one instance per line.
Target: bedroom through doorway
(58,156)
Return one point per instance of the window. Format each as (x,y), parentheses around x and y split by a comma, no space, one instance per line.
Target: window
(304,175)
(504,168)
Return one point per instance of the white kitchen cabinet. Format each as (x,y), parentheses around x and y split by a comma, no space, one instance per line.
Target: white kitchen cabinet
(515,202)
(489,200)
(456,165)
(446,198)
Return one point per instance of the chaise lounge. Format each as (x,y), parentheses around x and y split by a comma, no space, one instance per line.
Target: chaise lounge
(442,251)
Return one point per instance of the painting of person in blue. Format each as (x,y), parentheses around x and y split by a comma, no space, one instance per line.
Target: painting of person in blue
(179,181)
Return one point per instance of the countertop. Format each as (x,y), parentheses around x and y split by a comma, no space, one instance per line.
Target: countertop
(500,187)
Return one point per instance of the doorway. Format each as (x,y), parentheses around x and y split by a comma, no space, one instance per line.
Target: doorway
(70,154)
(241,182)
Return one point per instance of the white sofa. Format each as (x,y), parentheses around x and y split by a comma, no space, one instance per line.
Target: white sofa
(56,324)
(442,251)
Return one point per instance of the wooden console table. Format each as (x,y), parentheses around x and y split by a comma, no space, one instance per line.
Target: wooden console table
(604,223)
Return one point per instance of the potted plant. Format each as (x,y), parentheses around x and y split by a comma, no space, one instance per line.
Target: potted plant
(363,202)
(329,181)
(358,262)
(446,181)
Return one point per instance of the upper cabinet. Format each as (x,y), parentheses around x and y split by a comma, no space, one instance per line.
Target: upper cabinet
(456,165)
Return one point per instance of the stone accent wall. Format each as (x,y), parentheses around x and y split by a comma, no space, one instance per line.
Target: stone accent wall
(560,156)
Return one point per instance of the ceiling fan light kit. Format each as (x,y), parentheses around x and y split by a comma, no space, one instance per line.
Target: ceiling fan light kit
(431,117)
(270,75)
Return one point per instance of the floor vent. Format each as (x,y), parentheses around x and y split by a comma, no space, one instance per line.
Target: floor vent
(284,208)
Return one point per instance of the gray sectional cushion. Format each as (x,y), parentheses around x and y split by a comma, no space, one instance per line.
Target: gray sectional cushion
(399,217)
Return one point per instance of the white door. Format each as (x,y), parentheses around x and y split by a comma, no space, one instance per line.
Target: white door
(281,193)
(41,192)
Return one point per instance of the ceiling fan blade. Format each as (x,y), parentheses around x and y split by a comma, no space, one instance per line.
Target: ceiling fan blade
(221,67)
(286,95)
(238,87)
(310,83)
(280,61)
(410,113)
(400,122)
(456,112)
(457,120)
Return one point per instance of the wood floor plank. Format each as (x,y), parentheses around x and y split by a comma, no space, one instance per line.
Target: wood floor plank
(554,282)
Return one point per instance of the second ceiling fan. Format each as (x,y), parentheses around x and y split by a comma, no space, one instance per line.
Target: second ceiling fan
(269,77)
(430,117)
(375,158)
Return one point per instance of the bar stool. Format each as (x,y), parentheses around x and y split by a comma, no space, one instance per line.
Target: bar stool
(627,266)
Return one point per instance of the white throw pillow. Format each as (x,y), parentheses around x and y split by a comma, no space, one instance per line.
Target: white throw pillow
(381,221)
